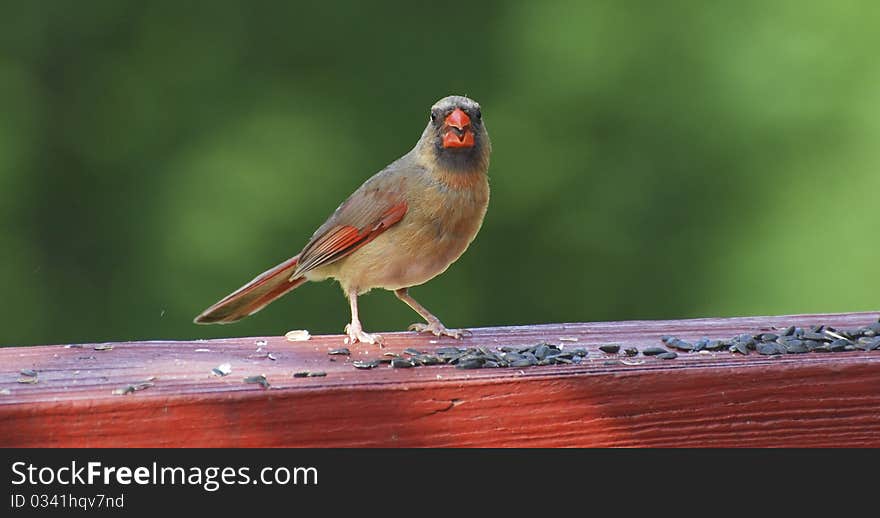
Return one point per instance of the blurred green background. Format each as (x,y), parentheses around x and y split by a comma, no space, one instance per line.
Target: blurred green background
(649,161)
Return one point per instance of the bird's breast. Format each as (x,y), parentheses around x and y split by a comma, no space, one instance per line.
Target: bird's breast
(440,223)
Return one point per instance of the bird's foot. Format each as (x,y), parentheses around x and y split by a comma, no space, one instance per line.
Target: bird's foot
(438,329)
(357,334)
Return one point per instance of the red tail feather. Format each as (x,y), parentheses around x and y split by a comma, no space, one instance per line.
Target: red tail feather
(254,295)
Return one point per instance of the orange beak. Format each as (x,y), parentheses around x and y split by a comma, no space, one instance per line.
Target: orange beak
(463,137)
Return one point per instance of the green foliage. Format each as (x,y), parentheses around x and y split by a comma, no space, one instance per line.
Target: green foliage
(649,161)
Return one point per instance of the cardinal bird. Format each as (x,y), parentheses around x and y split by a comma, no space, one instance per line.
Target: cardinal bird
(401,228)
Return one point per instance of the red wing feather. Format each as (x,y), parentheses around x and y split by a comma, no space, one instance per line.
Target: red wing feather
(340,240)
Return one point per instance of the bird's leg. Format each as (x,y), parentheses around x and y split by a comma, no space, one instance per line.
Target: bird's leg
(354,330)
(434,325)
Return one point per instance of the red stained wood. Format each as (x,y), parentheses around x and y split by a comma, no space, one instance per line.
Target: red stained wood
(697,400)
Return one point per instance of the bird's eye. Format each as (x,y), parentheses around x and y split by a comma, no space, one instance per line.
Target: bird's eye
(433,117)
(479,115)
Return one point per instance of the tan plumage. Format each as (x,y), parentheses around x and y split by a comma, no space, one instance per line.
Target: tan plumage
(402,227)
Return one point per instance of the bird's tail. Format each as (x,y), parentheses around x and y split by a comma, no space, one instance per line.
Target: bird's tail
(254,295)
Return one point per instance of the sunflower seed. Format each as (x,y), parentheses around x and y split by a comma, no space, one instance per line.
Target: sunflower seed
(261,379)
(671,355)
(223,369)
(365,364)
(610,348)
(297,335)
(653,351)
(342,351)
(769,348)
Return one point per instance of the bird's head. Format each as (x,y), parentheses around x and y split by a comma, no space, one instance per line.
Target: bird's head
(456,135)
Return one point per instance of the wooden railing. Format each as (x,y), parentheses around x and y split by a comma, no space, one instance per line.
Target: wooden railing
(168,393)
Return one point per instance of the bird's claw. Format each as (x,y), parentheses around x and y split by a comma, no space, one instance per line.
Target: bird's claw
(357,334)
(438,329)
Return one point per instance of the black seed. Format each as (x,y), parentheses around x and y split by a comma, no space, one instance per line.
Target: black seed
(344,351)
(302,374)
(810,335)
(681,345)
(258,379)
(768,348)
(741,347)
(838,347)
(666,338)
(668,355)
(795,347)
(427,359)
(470,363)
(401,363)
(652,351)
(822,349)
(714,345)
(789,331)
(561,359)
(609,348)
(813,344)
(28,372)
(412,352)
(541,351)
(521,363)
(491,364)
(769,337)
(448,351)
(631,351)
(365,364)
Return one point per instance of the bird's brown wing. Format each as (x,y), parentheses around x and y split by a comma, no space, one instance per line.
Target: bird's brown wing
(372,209)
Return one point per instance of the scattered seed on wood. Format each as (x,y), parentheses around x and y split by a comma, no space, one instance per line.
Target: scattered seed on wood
(365,364)
(402,363)
(412,352)
(297,335)
(610,348)
(28,379)
(631,351)
(223,369)
(261,379)
(129,389)
(73,346)
(671,355)
(28,372)
(568,339)
(343,351)
(653,351)
(103,347)
(309,374)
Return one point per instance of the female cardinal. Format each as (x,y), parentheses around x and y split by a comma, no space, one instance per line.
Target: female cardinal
(401,228)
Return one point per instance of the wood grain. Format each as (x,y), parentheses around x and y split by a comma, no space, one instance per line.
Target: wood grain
(697,400)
